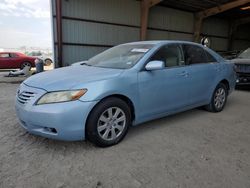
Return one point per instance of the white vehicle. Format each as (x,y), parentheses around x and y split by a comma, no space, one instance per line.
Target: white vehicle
(47,60)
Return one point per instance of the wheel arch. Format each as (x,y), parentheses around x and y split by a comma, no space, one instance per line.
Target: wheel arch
(25,61)
(122,97)
(48,59)
(226,83)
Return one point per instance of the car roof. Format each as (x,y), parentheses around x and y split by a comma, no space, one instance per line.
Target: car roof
(12,53)
(159,42)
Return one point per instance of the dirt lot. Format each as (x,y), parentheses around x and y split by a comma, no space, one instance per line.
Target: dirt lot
(192,149)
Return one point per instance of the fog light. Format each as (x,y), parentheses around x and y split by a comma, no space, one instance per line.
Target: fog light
(52,130)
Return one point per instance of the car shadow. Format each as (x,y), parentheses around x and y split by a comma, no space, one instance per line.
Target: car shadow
(165,121)
(243,88)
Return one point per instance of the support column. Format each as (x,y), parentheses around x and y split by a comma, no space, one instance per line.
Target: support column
(59,32)
(232,31)
(198,19)
(145,6)
(144,19)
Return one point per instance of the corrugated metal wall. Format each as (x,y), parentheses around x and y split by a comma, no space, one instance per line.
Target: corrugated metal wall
(242,38)
(217,30)
(91,26)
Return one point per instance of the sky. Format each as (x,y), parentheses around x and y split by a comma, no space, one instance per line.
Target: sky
(25,23)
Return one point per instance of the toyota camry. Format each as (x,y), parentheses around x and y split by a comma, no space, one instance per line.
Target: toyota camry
(124,86)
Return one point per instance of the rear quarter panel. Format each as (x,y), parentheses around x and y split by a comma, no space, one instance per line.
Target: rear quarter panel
(226,73)
(230,74)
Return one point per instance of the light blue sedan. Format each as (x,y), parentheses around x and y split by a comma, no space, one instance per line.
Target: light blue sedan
(126,85)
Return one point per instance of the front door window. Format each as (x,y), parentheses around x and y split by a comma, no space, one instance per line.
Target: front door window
(171,55)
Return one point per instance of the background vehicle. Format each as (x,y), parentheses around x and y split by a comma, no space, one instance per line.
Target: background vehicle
(230,54)
(242,66)
(15,60)
(126,85)
(47,59)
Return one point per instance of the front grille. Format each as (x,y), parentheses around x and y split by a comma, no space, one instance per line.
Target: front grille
(25,97)
(243,68)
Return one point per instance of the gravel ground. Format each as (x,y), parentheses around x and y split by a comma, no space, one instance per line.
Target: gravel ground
(192,149)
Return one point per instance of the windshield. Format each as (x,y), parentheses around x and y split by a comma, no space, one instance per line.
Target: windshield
(245,54)
(120,57)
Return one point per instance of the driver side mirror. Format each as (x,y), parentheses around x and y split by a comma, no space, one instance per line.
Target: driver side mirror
(154,65)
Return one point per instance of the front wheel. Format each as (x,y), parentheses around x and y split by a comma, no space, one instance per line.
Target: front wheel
(219,99)
(108,122)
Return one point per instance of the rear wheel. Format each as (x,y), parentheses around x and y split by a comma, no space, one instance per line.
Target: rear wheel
(108,122)
(47,62)
(219,99)
(25,64)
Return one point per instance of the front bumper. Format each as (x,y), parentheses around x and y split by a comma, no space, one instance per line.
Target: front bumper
(243,79)
(61,121)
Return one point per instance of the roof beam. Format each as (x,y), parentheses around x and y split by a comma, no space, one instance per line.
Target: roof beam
(145,6)
(153,2)
(200,16)
(221,8)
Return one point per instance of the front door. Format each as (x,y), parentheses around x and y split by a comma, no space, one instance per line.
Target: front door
(166,90)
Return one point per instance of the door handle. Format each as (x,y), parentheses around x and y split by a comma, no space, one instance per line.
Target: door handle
(184,73)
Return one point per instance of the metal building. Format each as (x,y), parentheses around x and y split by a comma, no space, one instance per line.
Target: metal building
(83,28)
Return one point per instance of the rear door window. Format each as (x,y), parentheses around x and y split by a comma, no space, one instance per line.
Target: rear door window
(13,55)
(5,55)
(194,54)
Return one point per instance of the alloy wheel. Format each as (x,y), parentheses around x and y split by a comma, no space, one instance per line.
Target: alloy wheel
(111,123)
(220,98)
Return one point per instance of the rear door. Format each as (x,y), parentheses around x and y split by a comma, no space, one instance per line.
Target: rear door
(203,69)
(15,60)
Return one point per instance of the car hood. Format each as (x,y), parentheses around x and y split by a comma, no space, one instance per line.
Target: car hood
(70,77)
(241,61)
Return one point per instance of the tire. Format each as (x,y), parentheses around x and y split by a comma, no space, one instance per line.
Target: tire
(219,99)
(47,62)
(25,64)
(108,122)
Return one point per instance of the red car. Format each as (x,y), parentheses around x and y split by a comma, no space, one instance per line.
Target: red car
(15,60)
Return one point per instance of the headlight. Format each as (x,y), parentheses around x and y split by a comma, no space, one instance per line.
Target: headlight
(61,96)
